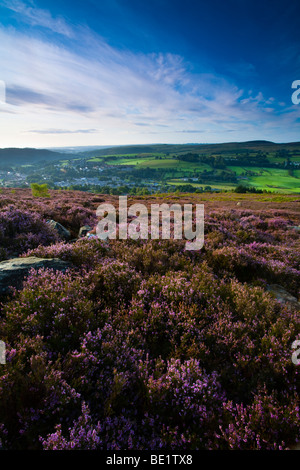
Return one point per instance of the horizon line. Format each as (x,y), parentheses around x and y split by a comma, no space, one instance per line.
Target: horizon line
(153,143)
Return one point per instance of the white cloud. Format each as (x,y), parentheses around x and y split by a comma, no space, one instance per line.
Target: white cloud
(57,91)
(35,16)
(64,131)
(2,92)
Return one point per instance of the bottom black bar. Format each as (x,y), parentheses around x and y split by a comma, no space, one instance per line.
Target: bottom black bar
(150,459)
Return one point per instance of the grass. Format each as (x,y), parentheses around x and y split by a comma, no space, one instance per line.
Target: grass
(279,180)
(220,186)
(126,159)
(150,160)
(270,179)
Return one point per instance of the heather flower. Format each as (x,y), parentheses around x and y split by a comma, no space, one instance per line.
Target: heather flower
(143,345)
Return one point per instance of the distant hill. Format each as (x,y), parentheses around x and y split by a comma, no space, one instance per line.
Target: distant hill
(17,156)
(78,149)
(255,145)
(125,149)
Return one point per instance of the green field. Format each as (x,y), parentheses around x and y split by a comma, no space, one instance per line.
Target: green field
(174,171)
(271,179)
(216,185)
(278,180)
(126,159)
(151,161)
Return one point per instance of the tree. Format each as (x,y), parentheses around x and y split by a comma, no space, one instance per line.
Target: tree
(241,189)
(39,190)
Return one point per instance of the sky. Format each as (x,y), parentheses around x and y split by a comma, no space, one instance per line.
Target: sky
(121,72)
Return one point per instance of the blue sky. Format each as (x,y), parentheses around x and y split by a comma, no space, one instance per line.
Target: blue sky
(112,72)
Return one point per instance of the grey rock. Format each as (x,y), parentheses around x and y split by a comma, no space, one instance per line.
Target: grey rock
(282,295)
(61,230)
(295,446)
(84,230)
(14,271)
(294,227)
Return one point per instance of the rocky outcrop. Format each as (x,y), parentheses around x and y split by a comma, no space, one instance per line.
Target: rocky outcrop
(14,271)
(282,295)
(84,230)
(294,227)
(61,230)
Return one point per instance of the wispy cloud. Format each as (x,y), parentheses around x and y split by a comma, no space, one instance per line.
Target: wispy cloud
(18,95)
(2,92)
(192,131)
(94,85)
(34,16)
(64,131)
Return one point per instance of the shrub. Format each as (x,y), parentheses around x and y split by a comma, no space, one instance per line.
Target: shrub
(143,345)
(39,190)
(23,230)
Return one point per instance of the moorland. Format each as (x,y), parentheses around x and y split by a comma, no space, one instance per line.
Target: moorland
(141,344)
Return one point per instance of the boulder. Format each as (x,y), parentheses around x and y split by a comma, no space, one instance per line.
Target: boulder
(84,230)
(61,230)
(295,446)
(294,227)
(282,295)
(14,271)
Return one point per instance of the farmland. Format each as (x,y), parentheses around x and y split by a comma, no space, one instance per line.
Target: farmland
(275,170)
(252,166)
(175,171)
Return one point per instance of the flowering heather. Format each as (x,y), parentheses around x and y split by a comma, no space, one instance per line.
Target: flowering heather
(144,345)
(22,230)
(72,210)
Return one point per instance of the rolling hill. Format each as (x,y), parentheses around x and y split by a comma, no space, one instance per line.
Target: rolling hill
(24,156)
(18,156)
(255,145)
